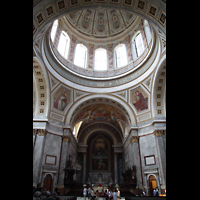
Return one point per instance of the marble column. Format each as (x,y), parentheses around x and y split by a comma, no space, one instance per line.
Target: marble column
(72,49)
(160,145)
(38,155)
(84,167)
(136,158)
(64,157)
(110,56)
(130,58)
(115,168)
(34,137)
(90,56)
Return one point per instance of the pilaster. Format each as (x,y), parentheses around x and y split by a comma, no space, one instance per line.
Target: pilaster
(134,140)
(90,56)
(116,168)
(161,151)
(130,58)
(110,56)
(38,154)
(143,33)
(73,42)
(64,156)
(59,29)
(84,167)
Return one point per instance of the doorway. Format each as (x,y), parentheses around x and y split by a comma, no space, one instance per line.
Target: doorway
(152,184)
(48,183)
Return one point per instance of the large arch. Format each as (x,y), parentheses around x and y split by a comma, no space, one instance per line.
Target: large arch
(111,131)
(159,90)
(102,96)
(41,90)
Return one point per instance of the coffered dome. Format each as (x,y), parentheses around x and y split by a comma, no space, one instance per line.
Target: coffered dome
(101,22)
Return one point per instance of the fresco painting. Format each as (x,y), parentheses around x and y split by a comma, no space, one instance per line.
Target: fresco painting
(139,99)
(100,154)
(61,98)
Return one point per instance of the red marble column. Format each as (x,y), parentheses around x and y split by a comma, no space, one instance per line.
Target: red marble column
(130,58)
(110,55)
(71,55)
(90,56)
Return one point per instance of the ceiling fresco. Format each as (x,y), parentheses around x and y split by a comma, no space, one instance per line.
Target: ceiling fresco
(100,22)
(100,113)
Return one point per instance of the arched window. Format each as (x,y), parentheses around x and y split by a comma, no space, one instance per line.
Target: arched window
(137,45)
(54,30)
(63,44)
(121,55)
(80,58)
(100,62)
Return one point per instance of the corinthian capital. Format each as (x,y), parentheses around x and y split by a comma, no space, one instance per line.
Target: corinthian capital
(134,139)
(158,133)
(66,138)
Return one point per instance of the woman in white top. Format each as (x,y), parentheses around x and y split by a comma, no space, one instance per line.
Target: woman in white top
(115,196)
(85,193)
(109,194)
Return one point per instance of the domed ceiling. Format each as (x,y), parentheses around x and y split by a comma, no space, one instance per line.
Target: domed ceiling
(101,22)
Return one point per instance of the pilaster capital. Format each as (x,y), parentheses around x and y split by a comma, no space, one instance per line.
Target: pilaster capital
(158,133)
(134,139)
(91,45)
(61,22)
(74,38)
(34,131)
(141,22)
(127,38)
(42,132)
(66,138)
(110,45)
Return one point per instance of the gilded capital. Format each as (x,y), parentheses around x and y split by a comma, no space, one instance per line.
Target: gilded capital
(127,38)
(91,45)
(34,131)
(66,138)
(110,45)
(134,139)
(42,132)
(158,133)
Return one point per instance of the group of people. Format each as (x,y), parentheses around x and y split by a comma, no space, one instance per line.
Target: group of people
(37,195)
(106,195)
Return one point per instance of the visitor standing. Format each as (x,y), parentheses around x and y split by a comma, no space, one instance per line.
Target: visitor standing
(115,196)
(89,193)
(85,193)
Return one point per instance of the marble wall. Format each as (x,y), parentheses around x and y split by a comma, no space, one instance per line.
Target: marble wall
(49,147)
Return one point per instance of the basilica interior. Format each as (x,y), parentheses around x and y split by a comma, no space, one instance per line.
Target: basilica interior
(99,95)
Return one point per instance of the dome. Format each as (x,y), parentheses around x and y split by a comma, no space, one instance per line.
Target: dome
(102,31)
(101,22)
